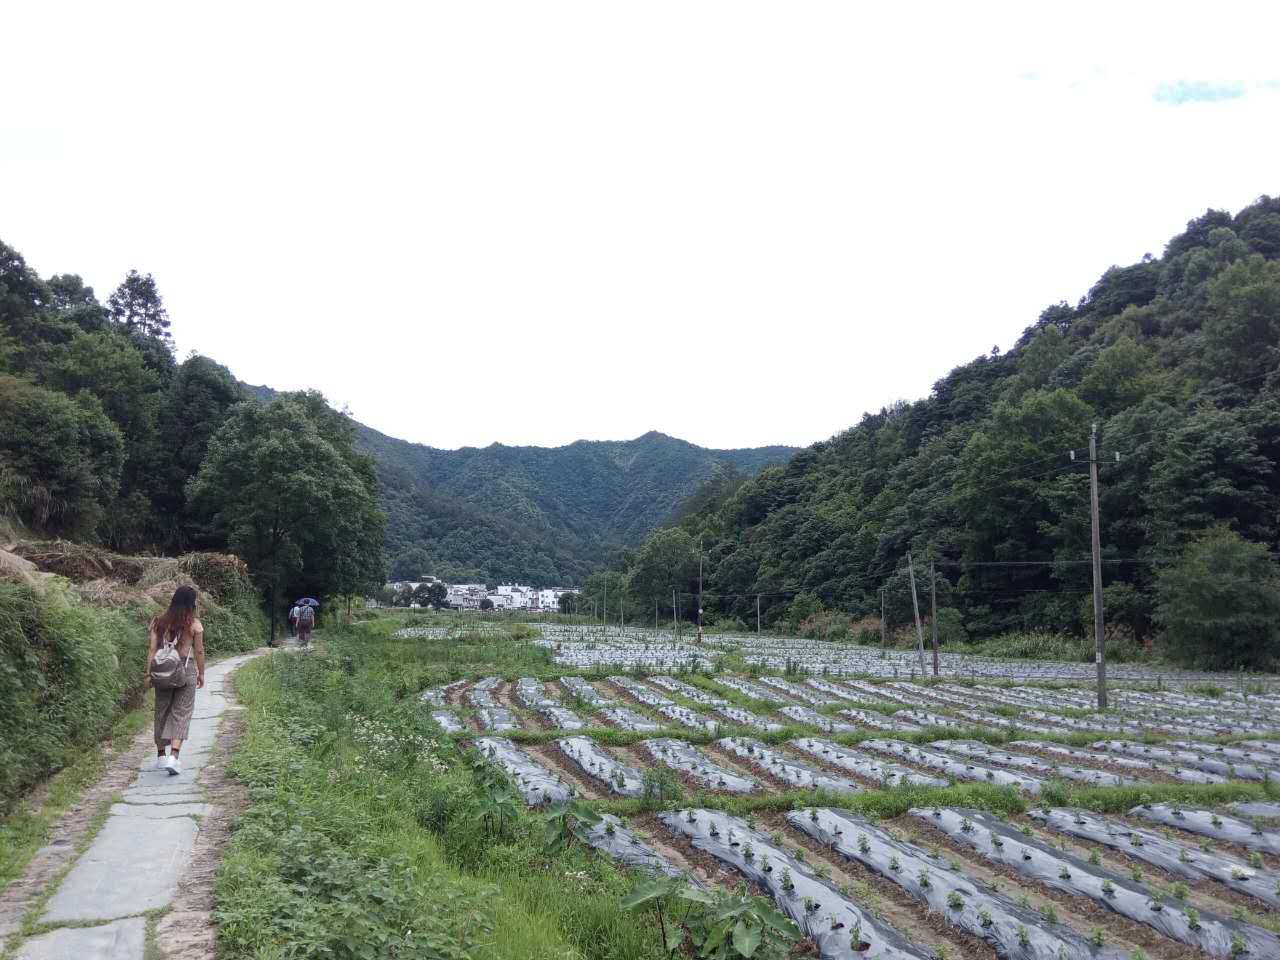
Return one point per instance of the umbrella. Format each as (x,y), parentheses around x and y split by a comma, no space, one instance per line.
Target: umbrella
(309,601)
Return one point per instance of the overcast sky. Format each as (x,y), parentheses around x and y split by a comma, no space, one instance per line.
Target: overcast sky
(738,223)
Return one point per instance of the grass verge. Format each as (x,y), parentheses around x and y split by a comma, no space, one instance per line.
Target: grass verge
(370,834)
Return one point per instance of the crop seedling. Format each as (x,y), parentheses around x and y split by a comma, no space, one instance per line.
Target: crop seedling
(1097,937)
(1024,938)
(984,916)
(924,879)
(1193,918)
(895,864)
(1050,912)
(954,900)
(1095,858)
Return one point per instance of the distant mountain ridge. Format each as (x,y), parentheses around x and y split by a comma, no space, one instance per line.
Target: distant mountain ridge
(540,514)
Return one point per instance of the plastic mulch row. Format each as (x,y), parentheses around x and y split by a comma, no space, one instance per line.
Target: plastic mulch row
(537,784)
(864,765)
(691,761)
(840,929)
(1013,931)
(997,841)
(1206,823)
(599,764)
(1180,859)
(795,772)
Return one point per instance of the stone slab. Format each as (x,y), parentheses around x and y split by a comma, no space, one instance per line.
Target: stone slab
(160,811)
(192,795)
(131,867)
(121,940)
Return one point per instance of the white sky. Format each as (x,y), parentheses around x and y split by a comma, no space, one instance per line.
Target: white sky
(738,223)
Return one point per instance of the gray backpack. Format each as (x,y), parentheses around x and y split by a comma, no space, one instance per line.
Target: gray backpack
(168,671)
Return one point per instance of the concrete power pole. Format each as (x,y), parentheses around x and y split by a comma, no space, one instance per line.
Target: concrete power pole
(757,614)
(882,631)
(915,605)
(699,589)
(1099,640)
(933,615)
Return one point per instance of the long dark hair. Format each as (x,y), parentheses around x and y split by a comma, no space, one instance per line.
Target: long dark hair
(177,619)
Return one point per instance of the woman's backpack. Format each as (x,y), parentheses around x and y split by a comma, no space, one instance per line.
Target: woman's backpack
(168,672)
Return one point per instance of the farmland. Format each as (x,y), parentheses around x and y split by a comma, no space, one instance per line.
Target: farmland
(991,811)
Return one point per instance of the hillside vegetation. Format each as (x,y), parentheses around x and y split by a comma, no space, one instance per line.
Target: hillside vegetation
(105,438)
(541,514)
(1173,357)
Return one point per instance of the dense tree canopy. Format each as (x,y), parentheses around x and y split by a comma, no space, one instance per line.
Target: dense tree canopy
(1174,358)
(103,436)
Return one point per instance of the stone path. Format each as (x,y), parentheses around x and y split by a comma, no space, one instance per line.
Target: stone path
(133,865)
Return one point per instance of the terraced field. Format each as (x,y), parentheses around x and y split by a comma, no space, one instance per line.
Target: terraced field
(992,812)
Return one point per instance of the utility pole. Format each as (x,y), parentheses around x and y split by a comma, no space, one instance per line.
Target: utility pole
(675,625)
(699,589)
(915,605)
(933,614)
(882,636)
(1099,641)
(604,616)
(757,614)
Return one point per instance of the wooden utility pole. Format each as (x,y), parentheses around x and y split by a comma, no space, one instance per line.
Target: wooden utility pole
(604,614)
(675,625)
(1099,641)
(757,614)
(915,605)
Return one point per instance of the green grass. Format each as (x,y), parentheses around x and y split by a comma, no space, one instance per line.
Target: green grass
(1060,793)
(26,828)
(353,839)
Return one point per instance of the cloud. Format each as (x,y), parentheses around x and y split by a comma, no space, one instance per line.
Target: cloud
(1197,91)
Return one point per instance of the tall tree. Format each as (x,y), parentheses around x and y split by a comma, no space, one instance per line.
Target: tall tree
(278,483)
(136,305)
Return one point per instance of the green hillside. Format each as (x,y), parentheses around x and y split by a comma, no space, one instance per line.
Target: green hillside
(1175,358)
(540,514)
(536,513)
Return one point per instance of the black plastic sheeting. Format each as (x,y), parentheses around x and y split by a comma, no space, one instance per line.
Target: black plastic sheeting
(958,769)
(1206,823)
(688,759)
(534,781)
(1001,843)
(821,912)
(873,768)
(610,837)
(562,718)
(598,763)
(1013,931)
(870,693)
(878,721)
(746,718)
(630,720)
(814,719)
(1180,859)
(1180,759)
(448,721)
(795,772)
(983,751)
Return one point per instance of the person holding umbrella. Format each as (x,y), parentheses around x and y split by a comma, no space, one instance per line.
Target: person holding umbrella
(293,620)
(306,608)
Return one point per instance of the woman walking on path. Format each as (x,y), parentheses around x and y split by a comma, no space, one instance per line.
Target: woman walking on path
(179,629)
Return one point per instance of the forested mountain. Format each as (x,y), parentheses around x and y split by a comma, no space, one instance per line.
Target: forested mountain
(535,513)
(106,438)
(541,514)
(1174,357)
